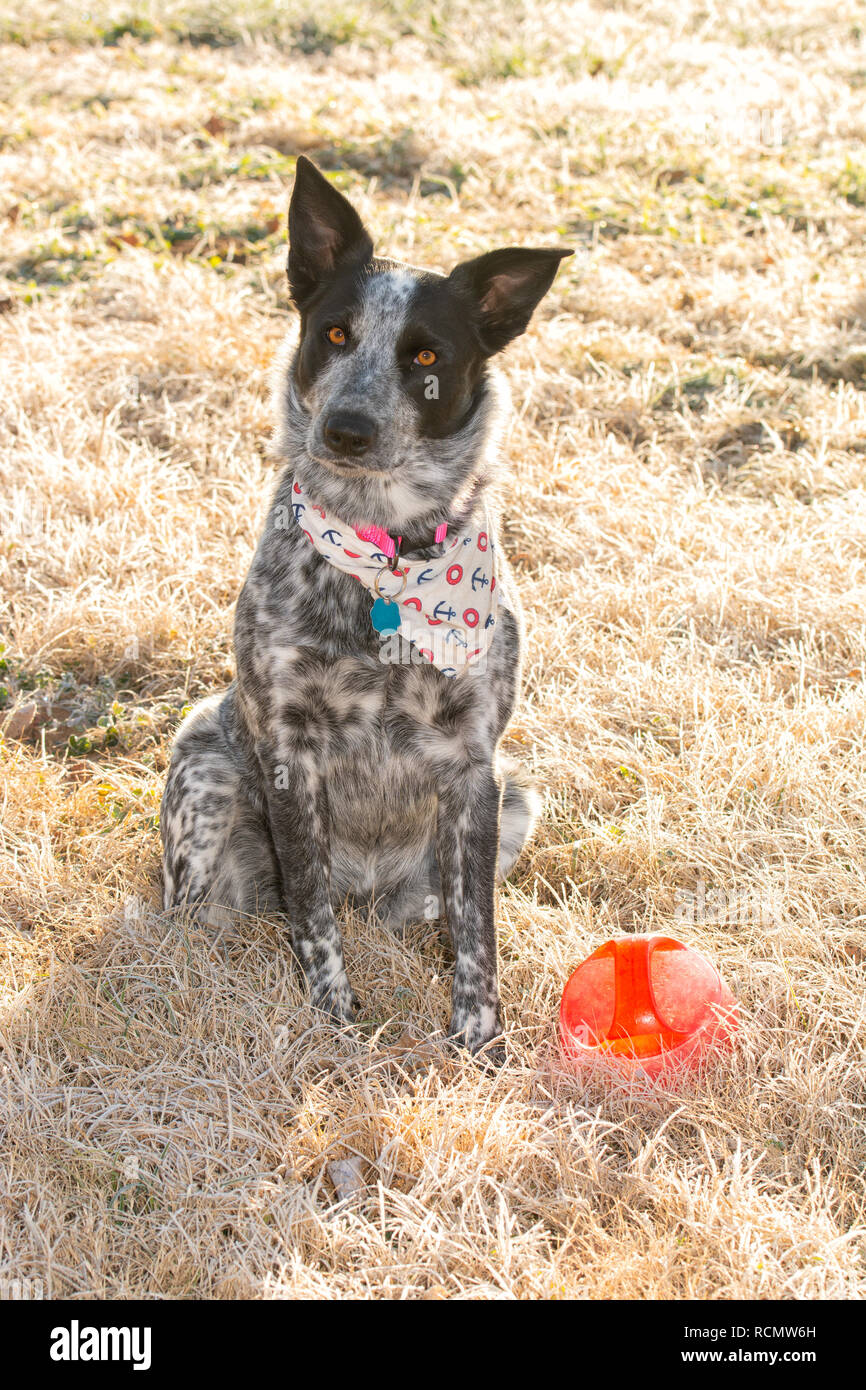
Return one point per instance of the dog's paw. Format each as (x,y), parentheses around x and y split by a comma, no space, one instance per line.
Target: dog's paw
(337,998)
(480,1031)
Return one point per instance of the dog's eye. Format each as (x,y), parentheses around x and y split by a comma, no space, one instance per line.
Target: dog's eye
(426,357)
(336,336)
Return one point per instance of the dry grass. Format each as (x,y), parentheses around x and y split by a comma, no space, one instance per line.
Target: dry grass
(687,505)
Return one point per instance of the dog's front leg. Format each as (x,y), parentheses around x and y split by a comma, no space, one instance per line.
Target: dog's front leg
(298,810)
(467,840)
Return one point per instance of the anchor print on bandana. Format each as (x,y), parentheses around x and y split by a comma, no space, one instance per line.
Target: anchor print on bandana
(436,604)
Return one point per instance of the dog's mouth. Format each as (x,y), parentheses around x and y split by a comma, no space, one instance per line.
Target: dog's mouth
(347,465)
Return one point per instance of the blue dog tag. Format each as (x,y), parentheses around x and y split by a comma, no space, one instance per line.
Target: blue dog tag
(385,616)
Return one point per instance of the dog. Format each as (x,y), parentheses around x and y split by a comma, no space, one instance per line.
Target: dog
(346,762)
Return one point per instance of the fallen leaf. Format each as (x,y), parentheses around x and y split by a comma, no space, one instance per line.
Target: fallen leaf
(118,239)
(347,1175)
(412,1053)
(19,720)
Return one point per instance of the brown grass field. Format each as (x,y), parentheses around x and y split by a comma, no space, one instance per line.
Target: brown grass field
(686,509)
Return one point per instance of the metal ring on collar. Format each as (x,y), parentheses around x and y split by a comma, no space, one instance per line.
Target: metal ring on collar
(386,570)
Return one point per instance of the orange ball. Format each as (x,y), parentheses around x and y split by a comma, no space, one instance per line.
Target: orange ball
(645,1005)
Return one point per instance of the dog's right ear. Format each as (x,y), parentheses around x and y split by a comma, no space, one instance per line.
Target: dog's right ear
(325,232)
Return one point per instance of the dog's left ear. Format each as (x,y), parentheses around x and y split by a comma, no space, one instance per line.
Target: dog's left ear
(324,232)
(506,286)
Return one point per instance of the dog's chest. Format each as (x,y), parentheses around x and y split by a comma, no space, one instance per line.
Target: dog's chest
(355,709)
(382,739)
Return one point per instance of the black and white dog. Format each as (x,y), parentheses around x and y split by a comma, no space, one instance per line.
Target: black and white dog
(347,761)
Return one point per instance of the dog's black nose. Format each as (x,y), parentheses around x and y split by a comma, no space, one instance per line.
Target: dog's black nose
(349,434)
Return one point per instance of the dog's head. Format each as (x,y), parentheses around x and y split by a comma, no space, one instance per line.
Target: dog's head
(387,403)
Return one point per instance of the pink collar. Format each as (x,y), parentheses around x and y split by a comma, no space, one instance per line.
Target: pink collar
(386,543)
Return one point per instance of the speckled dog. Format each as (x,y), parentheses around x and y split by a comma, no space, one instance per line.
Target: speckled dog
(339,764)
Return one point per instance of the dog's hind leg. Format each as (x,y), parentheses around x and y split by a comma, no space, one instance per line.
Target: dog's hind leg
(217,853)
(521,804)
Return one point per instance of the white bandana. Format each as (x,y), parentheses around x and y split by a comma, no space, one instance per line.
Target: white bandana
(446,606)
